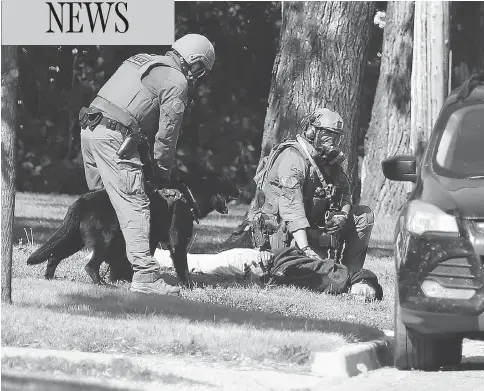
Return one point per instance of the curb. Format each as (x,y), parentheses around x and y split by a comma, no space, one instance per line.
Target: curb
(345,362)
(353,359)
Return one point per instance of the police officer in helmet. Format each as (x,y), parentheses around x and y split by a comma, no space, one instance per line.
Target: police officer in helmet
(145,99)
(296,194)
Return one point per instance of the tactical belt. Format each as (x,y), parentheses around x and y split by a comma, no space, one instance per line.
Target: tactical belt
(92,117)
(115,125)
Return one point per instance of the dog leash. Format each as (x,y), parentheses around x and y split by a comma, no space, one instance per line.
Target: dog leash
(194,208)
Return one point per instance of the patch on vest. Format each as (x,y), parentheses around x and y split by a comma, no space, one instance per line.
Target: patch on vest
(178,106)
(289,182)
(139,59)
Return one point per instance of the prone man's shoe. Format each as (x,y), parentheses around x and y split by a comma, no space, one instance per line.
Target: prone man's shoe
(159,287)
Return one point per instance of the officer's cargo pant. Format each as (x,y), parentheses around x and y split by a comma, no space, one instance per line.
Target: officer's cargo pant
(123,181)
(356,235)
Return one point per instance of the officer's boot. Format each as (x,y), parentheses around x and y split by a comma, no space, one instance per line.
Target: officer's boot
(158,286)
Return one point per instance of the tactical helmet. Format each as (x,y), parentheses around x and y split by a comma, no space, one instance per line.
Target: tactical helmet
(324,118)
(195,48)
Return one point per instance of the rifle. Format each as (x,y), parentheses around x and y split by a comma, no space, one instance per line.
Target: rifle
(335,197)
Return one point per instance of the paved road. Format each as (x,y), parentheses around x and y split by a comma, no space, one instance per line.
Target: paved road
(469,376)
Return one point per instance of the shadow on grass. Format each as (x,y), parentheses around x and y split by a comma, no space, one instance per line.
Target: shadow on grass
(468,366)
(109,303)
(471,363)
(21,379)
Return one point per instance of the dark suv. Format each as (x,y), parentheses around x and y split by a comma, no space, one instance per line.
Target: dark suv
(439,236)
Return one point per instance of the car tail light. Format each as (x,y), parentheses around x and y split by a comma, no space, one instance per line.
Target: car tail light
(434,289)
(427,218)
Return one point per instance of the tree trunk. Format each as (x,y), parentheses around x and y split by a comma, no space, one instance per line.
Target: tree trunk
(9,112)
(320,63)
(430,67)
(389,131)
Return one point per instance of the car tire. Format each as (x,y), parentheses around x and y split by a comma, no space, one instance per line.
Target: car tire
(413,350)
(449,350)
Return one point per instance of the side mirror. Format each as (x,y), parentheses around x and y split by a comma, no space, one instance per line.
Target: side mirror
(400,168)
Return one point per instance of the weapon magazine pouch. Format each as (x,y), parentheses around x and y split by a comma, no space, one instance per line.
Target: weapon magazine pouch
(90,117)
(259,236)
(83,117)
(319,207)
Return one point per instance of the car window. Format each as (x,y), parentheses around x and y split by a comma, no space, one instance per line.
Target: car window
(460,150)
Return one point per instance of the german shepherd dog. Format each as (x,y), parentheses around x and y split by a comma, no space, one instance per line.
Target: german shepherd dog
(91,222)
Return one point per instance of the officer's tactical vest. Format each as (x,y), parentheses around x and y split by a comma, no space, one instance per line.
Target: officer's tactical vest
(264,168)
(267,162)
(263,225)
(125,89)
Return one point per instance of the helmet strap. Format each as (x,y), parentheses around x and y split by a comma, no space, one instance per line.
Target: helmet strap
(311,134)
(185,68)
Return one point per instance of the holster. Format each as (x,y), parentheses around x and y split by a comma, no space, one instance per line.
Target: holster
(90,117)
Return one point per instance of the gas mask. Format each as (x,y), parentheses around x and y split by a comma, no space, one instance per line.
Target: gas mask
(197,70)
(327,144)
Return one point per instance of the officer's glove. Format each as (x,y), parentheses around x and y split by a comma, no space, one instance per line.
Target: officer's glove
(337,222)
(310,253)
(265,259)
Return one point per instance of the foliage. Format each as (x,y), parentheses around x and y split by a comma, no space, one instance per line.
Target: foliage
(223,128)
(225,124)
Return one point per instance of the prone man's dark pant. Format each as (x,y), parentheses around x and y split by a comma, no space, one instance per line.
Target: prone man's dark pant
(356,235)
(123,181)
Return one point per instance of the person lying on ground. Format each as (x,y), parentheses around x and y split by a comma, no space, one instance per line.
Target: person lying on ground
(266,267)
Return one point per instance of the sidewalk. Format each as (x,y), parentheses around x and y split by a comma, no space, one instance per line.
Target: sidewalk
(170,374)
(173,373)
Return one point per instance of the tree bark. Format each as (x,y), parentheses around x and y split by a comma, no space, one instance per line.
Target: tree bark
(389,131)
(320,63)
(430,67)
(9,111)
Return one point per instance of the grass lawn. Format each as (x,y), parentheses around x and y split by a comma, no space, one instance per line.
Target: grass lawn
(233,321)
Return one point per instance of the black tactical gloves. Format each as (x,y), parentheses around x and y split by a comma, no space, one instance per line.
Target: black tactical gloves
(336,223)
(310,253)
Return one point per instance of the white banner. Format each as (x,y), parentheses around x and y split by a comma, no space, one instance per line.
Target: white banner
(125,22)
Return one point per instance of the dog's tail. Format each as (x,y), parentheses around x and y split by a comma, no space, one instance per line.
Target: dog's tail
(65,241)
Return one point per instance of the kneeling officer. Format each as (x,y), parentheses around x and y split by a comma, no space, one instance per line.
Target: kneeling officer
(304,199)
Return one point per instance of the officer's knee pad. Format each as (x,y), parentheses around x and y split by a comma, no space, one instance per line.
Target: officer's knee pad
(358,210)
